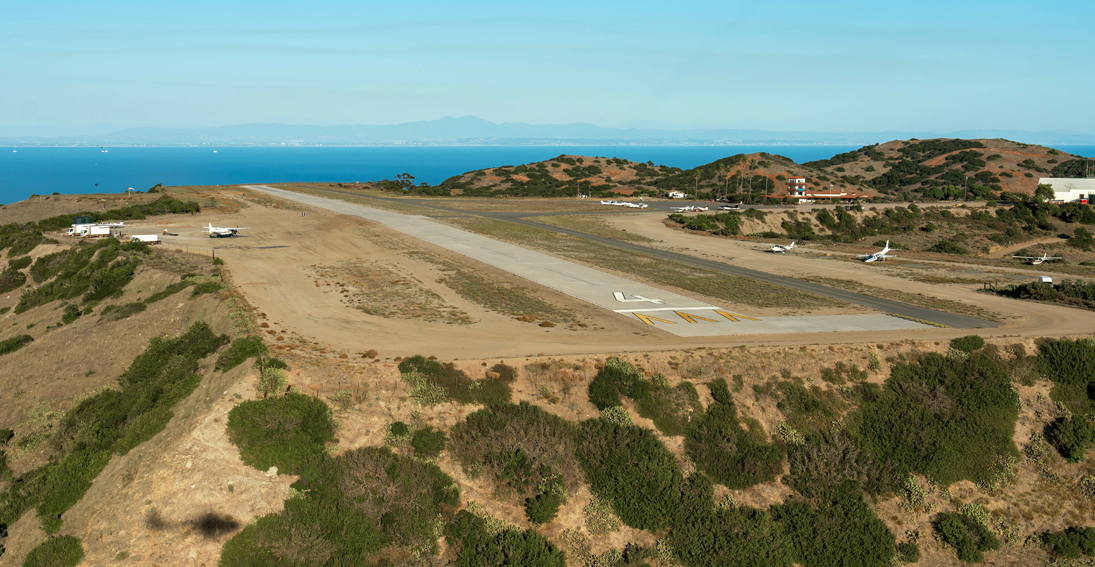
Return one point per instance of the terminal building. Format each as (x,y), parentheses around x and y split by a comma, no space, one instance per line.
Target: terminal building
(1071,189)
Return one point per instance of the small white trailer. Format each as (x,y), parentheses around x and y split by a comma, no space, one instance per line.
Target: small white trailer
(146,238)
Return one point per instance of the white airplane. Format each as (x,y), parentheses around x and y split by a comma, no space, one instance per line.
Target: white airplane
(736,207)
(880,255)
(609,203)
(222,232)
(685,209)
(782,249)
(1035,260)
(633,205)
(700,208)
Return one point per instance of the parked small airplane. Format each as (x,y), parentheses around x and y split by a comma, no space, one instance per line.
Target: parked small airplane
(700,208)
(1035,260)
(685,209)
(609,203)
(633,205)
(880,255)
(736,207)
(782,249)
(222,232)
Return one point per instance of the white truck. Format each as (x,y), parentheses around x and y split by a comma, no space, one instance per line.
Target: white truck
(95,231)
(146,238)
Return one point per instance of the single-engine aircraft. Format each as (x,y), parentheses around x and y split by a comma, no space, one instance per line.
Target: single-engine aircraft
(880,255)
(1035,260)
(782,248)
(222,231)
(736,207)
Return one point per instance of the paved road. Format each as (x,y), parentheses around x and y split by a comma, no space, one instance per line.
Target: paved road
(884,305)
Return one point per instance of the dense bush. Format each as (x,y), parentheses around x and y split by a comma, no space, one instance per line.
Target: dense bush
(969,537)
(724,451)
(19,263)
(908,552)
(123,311)
(1067,361)
(831,459)
(946,418)
(240,350)
(543,507)
(288,432)
(111,422)
(422,372)
(1072,436)
(840,529)
(968,343)
(61,551)
(476,547)
(350,508)
(206,287)
(670,408)
(11,280)
(518,446)
(12,344)
(631,468)
(1072,542)
(705,536)
(163,206)
(428,442)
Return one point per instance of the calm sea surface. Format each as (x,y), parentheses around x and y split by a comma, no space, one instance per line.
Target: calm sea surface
(28,171)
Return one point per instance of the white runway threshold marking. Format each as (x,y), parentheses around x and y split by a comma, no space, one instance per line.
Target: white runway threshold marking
(669,312)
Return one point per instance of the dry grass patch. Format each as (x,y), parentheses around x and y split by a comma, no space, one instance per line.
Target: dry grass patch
(907,298)
(377,290)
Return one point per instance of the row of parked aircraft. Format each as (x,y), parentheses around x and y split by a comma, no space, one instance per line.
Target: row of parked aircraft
(880,255)
(626,204)
(688,209)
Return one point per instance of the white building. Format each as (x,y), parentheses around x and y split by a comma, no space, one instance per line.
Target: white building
(675,195)
(1067,189)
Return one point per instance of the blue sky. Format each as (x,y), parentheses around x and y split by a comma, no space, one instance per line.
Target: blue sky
(89,67)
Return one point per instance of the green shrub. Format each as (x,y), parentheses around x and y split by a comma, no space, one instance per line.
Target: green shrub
(61,551)
(908,552)
(705,536)
(1072,436)
(969,537)
(12,344)
(631,468)
(840,529)
(456,384)
(71,313)
(167,292)
(206,287)
(543,507)
(95,271)
(11,280)
(671,409)
(19,263)
(1071,543)
(288,431)
(518,446)
(428,442)
(968,343)
(124,311)
(946,418)
(948,247)
(399,429)
(476,547)
(830,459)
(241,349)
(1066,361)
(728,454)
(272,381)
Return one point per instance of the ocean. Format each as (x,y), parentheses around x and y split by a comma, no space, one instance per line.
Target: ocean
(42,171)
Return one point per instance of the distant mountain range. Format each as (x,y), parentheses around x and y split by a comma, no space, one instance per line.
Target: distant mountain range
(472,131)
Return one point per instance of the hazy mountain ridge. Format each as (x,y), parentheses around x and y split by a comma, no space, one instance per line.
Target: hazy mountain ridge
(473,131)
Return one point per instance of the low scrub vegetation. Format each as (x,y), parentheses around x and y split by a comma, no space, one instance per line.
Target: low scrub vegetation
(434,382)
(110,422)
(721,448)
(670,408)
(948,418)
(288,432)
(61,551)
(12,344)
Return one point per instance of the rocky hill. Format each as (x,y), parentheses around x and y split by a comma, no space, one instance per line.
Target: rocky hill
(932,169)
(943,168)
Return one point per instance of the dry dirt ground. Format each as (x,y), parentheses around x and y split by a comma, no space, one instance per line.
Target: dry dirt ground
(305,283)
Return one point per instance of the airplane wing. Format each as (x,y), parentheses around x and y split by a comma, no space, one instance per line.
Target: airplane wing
(1026,257)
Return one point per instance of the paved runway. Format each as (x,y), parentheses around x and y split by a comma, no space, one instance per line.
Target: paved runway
(670,312)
